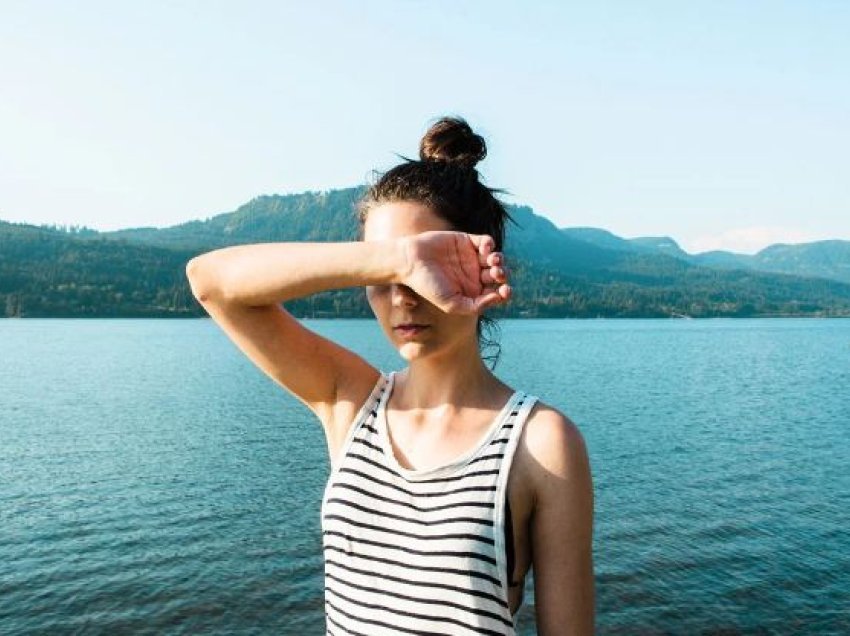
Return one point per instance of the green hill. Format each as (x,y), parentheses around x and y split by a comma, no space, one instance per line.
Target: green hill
(819,259)
(578,272)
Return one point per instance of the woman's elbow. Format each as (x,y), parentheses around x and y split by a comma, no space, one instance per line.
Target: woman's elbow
(200,279)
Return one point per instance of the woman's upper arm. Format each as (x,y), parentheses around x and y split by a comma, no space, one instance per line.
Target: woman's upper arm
(306,364)
(562,526)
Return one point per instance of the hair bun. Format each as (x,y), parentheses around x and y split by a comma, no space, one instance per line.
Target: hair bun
(453,141)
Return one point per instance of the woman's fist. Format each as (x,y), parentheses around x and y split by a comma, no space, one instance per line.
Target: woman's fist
(456,271)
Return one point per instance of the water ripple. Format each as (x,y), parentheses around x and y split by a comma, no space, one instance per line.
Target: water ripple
(166,486)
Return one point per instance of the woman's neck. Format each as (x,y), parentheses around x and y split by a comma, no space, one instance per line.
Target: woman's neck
(432,384)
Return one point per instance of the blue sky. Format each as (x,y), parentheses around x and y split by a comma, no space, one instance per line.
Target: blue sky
(722,124)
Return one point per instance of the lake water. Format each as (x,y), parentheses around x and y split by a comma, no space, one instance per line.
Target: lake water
(153,481)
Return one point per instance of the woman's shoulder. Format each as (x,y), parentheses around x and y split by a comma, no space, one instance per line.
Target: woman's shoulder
(546,420)
(554,448)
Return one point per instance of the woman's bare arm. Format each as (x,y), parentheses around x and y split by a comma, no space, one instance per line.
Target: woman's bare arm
(272,273)
(562,527)
(242,287)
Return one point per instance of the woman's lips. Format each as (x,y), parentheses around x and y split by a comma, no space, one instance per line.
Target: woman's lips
(409,330)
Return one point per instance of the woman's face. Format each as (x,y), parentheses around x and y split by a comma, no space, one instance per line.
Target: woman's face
(397,304)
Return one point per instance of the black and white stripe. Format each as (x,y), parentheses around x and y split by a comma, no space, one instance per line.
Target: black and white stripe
(418,552)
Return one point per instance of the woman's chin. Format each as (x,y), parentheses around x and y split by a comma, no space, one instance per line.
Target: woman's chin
(410,350)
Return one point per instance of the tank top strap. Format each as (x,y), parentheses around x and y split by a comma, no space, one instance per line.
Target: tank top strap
(514,420)
(512,429)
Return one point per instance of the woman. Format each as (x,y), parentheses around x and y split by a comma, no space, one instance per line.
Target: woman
(447,485)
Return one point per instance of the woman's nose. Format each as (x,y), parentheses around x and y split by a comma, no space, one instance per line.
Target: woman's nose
(403,296)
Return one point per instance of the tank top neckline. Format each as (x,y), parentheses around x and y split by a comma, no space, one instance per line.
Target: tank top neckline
(451,466)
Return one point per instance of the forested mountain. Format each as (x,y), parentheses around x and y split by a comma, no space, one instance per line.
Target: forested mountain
(45,272)
(821,259)
(311,216)
(580,272)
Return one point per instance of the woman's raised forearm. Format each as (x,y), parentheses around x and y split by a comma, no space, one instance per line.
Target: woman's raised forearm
(271,273)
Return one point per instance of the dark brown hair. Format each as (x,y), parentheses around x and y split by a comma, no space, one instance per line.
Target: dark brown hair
(445,179)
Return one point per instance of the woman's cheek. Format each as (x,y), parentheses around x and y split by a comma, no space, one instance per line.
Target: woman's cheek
(376,297)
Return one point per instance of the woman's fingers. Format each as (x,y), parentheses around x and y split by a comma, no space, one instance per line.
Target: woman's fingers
(491,259)
(494,275)
(504,292)
(487,257)
(485,246)
(484,243)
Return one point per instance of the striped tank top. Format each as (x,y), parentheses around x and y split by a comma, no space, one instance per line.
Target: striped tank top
(418,551)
